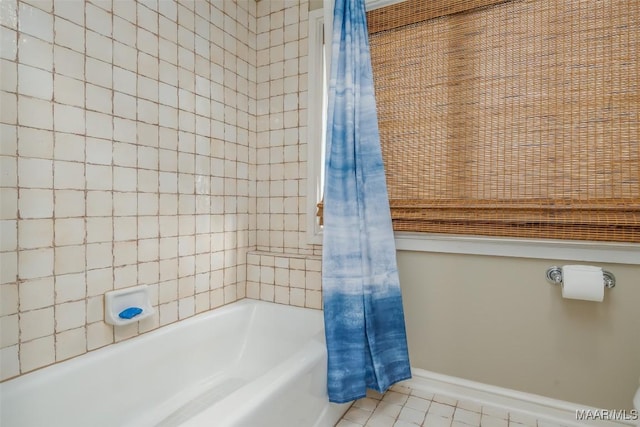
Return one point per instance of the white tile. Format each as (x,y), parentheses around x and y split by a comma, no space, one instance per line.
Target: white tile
(380,420)
(389,409)
(469,406)
(69,147)
(95,309)
(9,112)
(99,46)
(69,203)
(99,229)
(73,11)
(9,14)
(412,415)
(124,252)
(489,421)
(99,203)
(447,400)
(70,315)
(99,255)
(124,179)
(98,177)
(521,418)
(68,90)
(9,362)
(33,112)
(70,287)
(313,299)
(71,343)
(8,44)
(390,396)
(69,231)
(8,267)
(69,119)
(417,403)
(8,299)
(466,417)
(441,409)
(125,154)
(346,423)
(147,18)
(69,35)
(35,22)
(99,334)
(495,412)
(100,73)
(45,5)
(123,30)
(357,415)
(126,10)
(98,99)
(9,234)
(70,259)
(36,324)
(125,56)
(68,62)
(35,82)
(98,20)
(297,297)
(36,294)
(35,263)
(37,353)
(9,330)
(433,420)
(366,403)
(8,133)
(99,125)
(147,42)
(99,151)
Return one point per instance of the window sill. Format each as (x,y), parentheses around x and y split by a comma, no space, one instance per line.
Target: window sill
(570,250)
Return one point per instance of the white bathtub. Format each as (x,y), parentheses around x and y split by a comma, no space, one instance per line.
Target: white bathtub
(251,363)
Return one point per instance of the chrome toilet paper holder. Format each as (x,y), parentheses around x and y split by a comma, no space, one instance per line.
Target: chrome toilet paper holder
(554,276)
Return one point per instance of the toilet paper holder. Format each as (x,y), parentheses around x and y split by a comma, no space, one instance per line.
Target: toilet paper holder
(554,276)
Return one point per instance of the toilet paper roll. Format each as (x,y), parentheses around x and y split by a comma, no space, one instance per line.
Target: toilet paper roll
(582,282)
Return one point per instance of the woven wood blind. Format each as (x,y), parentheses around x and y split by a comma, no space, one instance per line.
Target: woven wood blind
(511,118)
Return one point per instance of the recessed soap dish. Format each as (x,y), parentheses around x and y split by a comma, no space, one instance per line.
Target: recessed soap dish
(126,306)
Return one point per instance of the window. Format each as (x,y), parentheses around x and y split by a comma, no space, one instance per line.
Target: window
(316,123)
(516,118)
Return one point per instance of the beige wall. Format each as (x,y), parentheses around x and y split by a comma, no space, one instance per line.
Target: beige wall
(496,320)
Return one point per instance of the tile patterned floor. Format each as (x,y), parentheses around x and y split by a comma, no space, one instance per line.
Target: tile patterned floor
(405,407)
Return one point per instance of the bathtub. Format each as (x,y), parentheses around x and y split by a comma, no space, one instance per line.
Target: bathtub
(251,363)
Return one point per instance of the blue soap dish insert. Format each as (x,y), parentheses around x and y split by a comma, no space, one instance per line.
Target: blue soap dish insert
(126,306)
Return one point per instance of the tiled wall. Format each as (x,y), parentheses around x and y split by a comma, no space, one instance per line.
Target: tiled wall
(128,157)
(285,278)
(281,70)
(281,116)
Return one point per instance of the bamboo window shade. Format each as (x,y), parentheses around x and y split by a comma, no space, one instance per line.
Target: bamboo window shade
(510,118)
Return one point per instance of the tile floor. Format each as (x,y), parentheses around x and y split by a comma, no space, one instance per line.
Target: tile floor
(405,407)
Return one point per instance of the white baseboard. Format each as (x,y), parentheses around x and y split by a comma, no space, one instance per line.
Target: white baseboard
(553,410)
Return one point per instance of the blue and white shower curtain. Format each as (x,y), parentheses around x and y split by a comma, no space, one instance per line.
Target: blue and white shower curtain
(364,318)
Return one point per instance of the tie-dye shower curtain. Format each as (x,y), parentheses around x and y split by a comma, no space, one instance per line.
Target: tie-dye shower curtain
(364,318)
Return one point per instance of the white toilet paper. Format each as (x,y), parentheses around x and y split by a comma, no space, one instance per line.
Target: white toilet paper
(583,282)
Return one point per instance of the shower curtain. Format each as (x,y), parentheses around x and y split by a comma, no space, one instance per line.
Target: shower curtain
(364,318)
